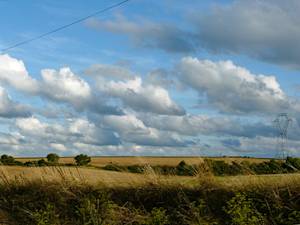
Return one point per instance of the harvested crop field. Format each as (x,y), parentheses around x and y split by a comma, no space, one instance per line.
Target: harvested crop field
(136,160)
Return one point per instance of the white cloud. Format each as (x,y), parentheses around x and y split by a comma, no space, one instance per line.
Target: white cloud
(133,130)
(232,89)
(58,147)
(64,85)
(153,123)
(59,86)
(14,73)
(194,125)
(147,98)
(10,109)
(76,130)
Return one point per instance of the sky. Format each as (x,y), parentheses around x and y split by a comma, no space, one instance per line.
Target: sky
(149,78)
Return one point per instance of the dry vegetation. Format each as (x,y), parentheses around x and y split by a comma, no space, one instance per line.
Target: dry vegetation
(57,195)
(153,161)
(11,174)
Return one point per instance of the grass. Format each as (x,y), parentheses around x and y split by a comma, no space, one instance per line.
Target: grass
(123,179)
(59,195)
(70,195)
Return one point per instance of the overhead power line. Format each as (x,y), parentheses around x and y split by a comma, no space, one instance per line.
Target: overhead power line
(64,26)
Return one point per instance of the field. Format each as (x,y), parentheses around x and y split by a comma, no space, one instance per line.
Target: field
(105,178)
(133,160)
(55,195)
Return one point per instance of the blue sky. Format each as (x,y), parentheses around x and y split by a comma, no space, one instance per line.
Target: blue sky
(149,77)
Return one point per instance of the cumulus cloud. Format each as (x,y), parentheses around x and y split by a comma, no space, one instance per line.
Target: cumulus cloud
(140,97)
(64,85)
(78,130)
(142,116)
(112,81)
(148,34)
(133,130)
(57,85)
(14,73)
(232,89)
(194,125)
(11,109)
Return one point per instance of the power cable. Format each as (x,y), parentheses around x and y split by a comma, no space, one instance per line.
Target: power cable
(64,26)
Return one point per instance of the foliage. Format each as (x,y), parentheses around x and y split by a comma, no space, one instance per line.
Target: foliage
(94,210)
(294,162)
(217,167)
(39,203)
(46,216)
(157,216)
(82,160)
(242,211)
(52,158)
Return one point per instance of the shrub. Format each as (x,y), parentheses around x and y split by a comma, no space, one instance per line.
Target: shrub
(82,160)
(30,163)
(42,162)
(135,169)
(158,217)
(113,167)
(52,158)
(241,211)
(7,160)
(185,169)
(46,216)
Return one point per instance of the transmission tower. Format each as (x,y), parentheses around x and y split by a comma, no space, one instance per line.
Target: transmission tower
(282,124)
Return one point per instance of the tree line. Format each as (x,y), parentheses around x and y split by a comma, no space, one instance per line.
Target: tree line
(52,159)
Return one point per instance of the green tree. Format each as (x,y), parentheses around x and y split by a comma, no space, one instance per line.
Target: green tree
(52,158)
(6,159)
(82,160)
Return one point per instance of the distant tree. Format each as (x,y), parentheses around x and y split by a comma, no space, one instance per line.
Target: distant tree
(52,158)
(82,160)
(6,159)
(42,162)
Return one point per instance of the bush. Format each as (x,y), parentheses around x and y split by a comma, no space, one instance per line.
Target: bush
(46,216)
(82,160)
(241,211)
(42,162)
(158,217)
(184,169)
(7,160)
(52,158)
(135,169)
(31,203)
(113,167)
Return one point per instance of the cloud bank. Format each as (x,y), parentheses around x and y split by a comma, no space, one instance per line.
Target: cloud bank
(110,109)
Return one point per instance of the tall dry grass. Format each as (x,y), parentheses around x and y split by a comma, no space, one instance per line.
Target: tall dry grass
(78,175)
(36,195)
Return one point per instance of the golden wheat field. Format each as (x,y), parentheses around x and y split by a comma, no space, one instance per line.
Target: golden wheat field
(147,160)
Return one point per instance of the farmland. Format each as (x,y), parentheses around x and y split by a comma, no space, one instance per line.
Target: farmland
(142,160)
(90,195)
